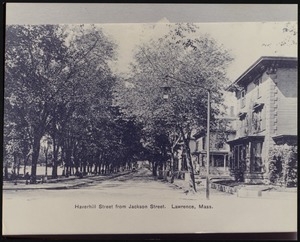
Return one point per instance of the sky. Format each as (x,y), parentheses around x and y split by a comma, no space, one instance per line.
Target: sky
(240,28)
(246,41)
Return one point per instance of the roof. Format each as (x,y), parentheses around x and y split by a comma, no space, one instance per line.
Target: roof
(203,133)
(286,139)
(244,139)
(260,66)
(213,152)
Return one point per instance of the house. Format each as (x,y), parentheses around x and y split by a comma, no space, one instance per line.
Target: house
(223,130)
(266,95)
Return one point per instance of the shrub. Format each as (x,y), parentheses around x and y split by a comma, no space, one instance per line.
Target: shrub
(239,176)
(283,163)
(239,172)
(291,168)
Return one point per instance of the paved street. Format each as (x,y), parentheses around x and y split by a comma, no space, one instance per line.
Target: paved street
(138,203)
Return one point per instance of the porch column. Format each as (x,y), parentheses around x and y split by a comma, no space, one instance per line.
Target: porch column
(224,162)
(212,161)
(248,154)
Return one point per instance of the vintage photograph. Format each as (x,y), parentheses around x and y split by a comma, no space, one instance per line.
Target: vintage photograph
(149,127)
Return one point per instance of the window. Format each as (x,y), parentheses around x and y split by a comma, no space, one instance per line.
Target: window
(235,157)
(256,161)
(258,87)
(258,120)
(219,160)
(239,157)
(243,99)
(203,143)
(197,145)
(219,145)
(244,124)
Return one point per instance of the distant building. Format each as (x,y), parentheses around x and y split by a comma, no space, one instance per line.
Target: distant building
(266,95)
(219,149)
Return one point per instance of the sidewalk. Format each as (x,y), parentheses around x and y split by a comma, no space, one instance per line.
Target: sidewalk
(266,191)
(244,191)
(61,183)
(184,184)
(259,190)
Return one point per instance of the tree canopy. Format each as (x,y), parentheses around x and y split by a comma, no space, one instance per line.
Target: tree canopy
(183,65)
(58,82)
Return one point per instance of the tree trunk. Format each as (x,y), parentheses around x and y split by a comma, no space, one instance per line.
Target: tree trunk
(68,153)
(35,156)
(95,169)
(46,162)
(55,159)
(18,167)
(88,169)
(81,166)
(54,164)
(25,163)
(84,167)
(15,164)
(189,162)
(154,168)
(191,168)
(24,169)
(172,166)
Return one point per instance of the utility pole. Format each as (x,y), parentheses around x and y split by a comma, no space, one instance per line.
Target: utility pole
(207,144)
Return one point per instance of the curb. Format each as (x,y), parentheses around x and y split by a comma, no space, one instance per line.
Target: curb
(246,192)
(63,187)
(173,184)
(224,188)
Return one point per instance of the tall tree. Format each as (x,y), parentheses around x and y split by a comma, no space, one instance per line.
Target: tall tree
(32,56)
(50,72)
(187,65)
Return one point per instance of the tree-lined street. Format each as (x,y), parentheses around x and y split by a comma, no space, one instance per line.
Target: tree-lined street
(66,107)
(136,201)
(59,102)
(151,127)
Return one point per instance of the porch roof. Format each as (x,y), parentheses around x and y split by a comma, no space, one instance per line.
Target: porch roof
(291,139)
(213,152)
(246,139)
